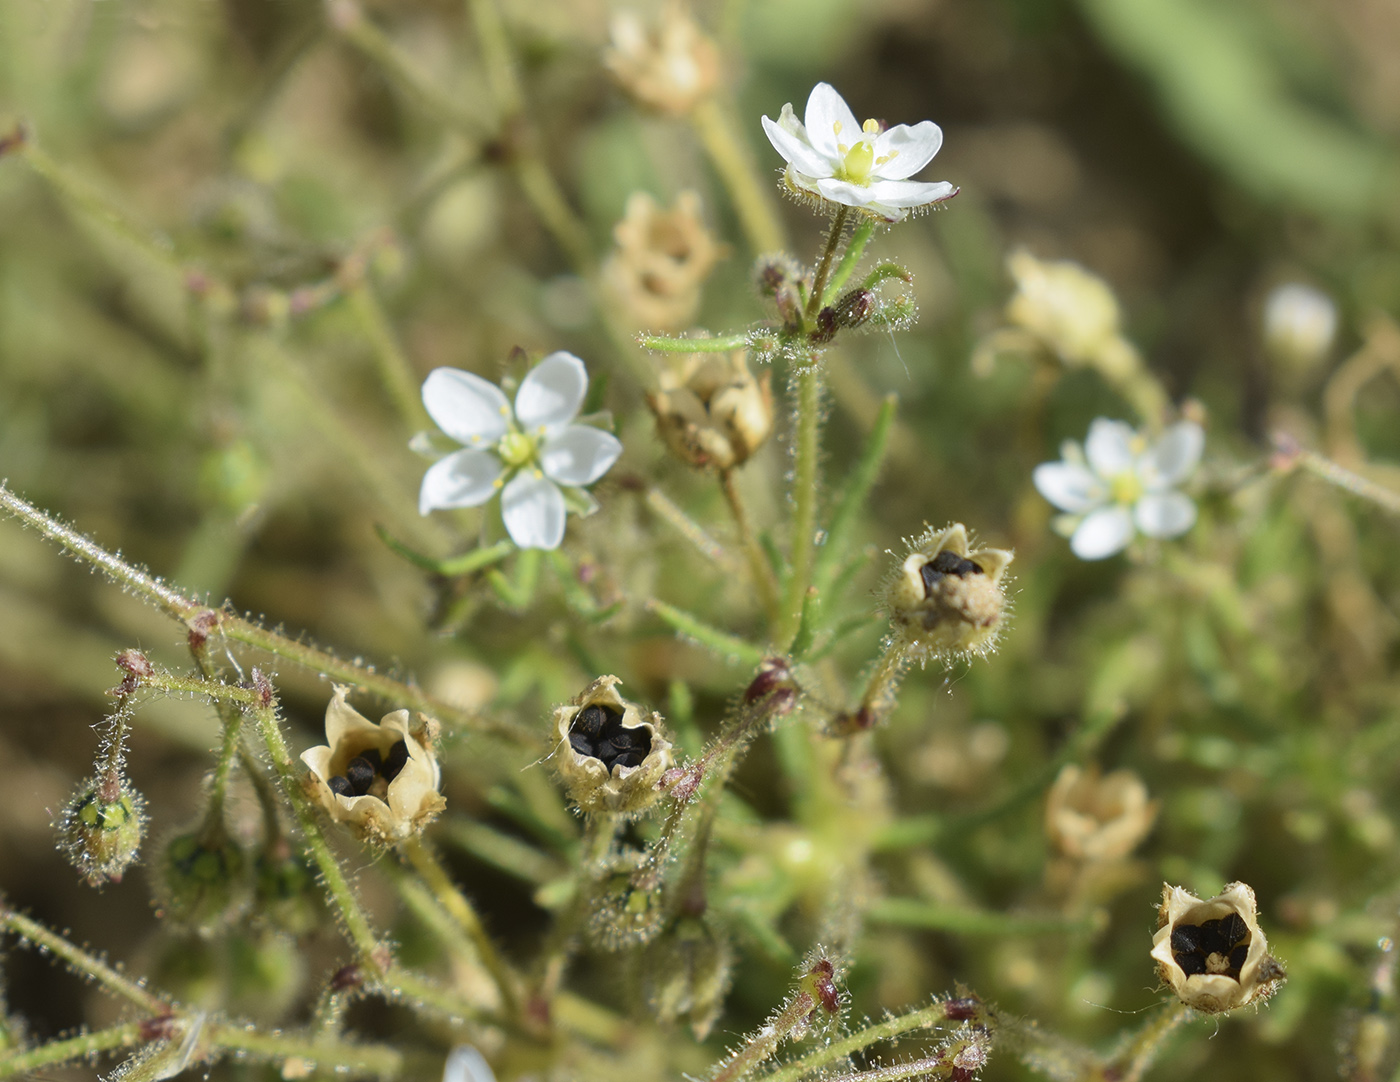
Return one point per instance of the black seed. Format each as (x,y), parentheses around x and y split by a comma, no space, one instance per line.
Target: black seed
(359,772)
(580,743)
(394,764)
(605,750)
(1212,940)
(1191,963)
(950,563)
(589,721)
(339,786)
(1233,929)
(626,738)
(629,758)
(1186,938)
(1238,955)
(371,756)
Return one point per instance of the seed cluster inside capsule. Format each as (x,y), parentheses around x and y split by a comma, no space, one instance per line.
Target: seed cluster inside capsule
(1215,946)
(946,563)
(597,731)
(361,771)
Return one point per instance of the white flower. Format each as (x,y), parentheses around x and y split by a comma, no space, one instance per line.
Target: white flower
(1118,484)
(523,453)
(835,157)
(1299,323)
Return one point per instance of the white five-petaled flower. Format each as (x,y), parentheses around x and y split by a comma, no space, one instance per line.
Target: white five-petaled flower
(835,157)
(1119,484)
(526,454)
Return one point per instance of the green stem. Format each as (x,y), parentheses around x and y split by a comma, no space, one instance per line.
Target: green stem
(83,1046)
(1386,499)
(837,1050)
(726,645)
(758,563)
(661,343)
(81,961)
(965,920)
(757,214)
(852,507)
(763,1044)
(859,238)
(395,370)
(834,237)
(1144,1046)
(804,489)
(334,1057)
(691,530)
(185,610)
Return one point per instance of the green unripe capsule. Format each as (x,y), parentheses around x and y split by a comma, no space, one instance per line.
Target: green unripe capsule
(201,878)
(284,890)
(100,828)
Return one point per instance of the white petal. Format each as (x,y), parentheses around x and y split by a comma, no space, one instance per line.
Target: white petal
(533,509)
(830,121)
(1102,533)
(465,479)
(1069,486)
(466,1064)
(1109,447)
(912,147)
(797,151)
(1174,457)
(579,455)
(911,193)
(551,393)
(843,191)
(468,408)
(1164,514)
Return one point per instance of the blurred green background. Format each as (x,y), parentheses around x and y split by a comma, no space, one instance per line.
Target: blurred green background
(237,438)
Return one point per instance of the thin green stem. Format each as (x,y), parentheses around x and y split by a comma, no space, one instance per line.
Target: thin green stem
(860,236)
(763,1044)
(884,1031)
(835,235)
(721,642)
(185,610)
(660,343)
(425,862)
(758,216)
(804,492)
(1144,1046)
(758,563)
(81,961)
(966,920)
(395,369)
(1386,499)
(332,1056)
(852,507)
(83,1046)
(688,528)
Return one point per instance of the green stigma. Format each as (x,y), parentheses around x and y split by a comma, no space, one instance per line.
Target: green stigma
(856,165)
(1126,488)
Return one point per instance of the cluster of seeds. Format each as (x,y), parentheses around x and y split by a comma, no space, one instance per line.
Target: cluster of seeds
(361,771)
(946,563)
(598,732)
(1217,946)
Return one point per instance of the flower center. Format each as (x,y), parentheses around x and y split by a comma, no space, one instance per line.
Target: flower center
(516,448)
(860,158)
(1126,488)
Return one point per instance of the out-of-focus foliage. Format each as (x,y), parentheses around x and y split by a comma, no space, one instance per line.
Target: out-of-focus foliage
(238,235)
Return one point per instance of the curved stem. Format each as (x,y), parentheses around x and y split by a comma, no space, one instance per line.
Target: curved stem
(835,235)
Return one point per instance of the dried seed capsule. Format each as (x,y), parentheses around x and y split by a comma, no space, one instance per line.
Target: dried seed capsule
(1228,963)
(946,600)
(611,753)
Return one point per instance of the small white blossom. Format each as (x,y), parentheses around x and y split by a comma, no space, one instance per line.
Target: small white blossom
(835,157)
(1300,323)
(1118,484)
(525,454)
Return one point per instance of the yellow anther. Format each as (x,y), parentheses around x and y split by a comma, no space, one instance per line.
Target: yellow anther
(836,128)
(871,127)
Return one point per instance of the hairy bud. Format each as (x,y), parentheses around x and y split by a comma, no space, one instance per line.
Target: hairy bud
(100,828)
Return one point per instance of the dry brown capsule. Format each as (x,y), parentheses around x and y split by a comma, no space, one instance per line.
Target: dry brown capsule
(1213,953)
(610,752)
(711,411)
(1091,817)
(660,261)
(379,780)
(669,67)
(946,599)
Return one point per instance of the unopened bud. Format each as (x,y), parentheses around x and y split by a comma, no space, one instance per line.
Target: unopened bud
(1299,325)
(624,915)
(819,981)
(100,828)
(284,890)
(687,974)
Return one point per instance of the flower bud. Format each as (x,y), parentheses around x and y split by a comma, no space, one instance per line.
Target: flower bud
(284,890)
(1098,819)
(201,878)
(947,600)
(624,915)
(1071,311)
(610,753)
(668,68)
(1299,325)
(381,780)
(711,411)
(100,828)
(687,974)
(1213,954)
(660,262)
(265,974)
